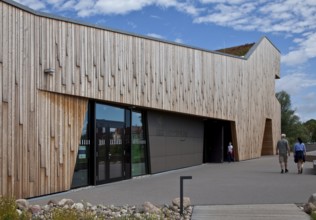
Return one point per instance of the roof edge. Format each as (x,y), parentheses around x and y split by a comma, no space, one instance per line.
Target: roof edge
(254,47)
(51,16)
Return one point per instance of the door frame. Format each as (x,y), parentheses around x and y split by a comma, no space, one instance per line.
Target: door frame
(108,125)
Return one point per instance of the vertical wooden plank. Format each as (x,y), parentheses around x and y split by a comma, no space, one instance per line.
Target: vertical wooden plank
(52,57)
(5,54)
(29,33)
(2,179)
(16,160)
(1,35)
(83,66)
(17,140)
(11,100)
(69,59)
(62,51)
(4,144)
(20,65)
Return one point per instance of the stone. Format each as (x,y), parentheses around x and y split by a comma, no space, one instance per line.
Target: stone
(147,210)
(313,206)
(52,203)
(19,212)
(34,209)
(309,208)
(65,202)
(312,199)
(150,208)
(22,204)
(186,202)
(78,206)
(46,207)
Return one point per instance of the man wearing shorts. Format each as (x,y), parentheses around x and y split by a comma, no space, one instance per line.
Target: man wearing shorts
(283,150)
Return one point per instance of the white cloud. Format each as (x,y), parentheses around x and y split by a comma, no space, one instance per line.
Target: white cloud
(180,41)
(295,83)
(155,17)
(119,7)
(302,89)
(305,50)
(34,4)
(155,35)
(132,24)
(306,106)
(288,17)
(68,5)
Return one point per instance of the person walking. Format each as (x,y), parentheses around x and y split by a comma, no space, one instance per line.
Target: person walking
(283,150)
(230,152)
(299,154)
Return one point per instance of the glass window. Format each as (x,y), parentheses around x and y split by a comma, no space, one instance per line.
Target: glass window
(109,113)
(139,146)
(81,173)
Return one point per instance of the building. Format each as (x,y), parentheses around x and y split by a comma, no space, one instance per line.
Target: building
(83,105)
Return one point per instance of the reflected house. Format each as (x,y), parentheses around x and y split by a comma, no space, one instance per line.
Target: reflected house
(85,105)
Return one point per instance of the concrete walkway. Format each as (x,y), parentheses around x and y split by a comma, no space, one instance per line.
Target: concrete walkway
(249,212)
(256,181)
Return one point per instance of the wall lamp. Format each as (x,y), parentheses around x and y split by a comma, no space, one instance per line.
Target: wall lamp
(49,71)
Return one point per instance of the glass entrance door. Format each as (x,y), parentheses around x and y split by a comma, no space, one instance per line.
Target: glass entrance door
(109,143)
(116,151)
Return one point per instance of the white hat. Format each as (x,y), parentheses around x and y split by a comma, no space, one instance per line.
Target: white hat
(283,135)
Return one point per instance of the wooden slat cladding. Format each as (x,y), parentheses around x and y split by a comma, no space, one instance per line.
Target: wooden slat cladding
(36,143)
(41,115)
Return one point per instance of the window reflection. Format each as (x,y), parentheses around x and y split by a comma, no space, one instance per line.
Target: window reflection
(81,172)
(109,113)
(138,145)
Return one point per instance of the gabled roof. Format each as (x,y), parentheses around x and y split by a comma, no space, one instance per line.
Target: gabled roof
(237,50)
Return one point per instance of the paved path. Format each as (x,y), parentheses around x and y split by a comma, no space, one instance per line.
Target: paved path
(249,212)
(256,181)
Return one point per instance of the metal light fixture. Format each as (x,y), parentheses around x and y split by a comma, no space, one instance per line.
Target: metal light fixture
(50,71)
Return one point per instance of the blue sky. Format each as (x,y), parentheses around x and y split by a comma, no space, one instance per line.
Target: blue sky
(216,24)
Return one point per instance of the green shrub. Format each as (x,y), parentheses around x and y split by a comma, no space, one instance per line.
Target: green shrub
(313,216)
(61,214)
(8,209)
(72,214)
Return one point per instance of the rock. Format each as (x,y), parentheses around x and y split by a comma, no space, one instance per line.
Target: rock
(186,202)
(78,206)
(65,202)
(22,204)
(312,199)
(138,216)
(19,212)
(150,208)
(309,208)
(34,209)
(147,210)
(52,203)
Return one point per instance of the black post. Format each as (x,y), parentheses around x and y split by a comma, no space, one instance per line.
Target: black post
(181,191)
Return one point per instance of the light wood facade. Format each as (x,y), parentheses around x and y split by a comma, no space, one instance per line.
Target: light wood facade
(41,114)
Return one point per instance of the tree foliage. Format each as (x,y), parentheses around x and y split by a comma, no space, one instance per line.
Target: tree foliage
(310,125)
(290,123)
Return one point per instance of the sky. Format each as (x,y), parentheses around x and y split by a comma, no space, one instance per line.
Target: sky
(215,24)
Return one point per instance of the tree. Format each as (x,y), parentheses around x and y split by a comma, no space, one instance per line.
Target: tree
(310,126)
(290,123)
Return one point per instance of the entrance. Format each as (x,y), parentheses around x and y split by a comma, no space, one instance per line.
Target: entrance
(109,143)
(113,145)
(217,135)
(109,151)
